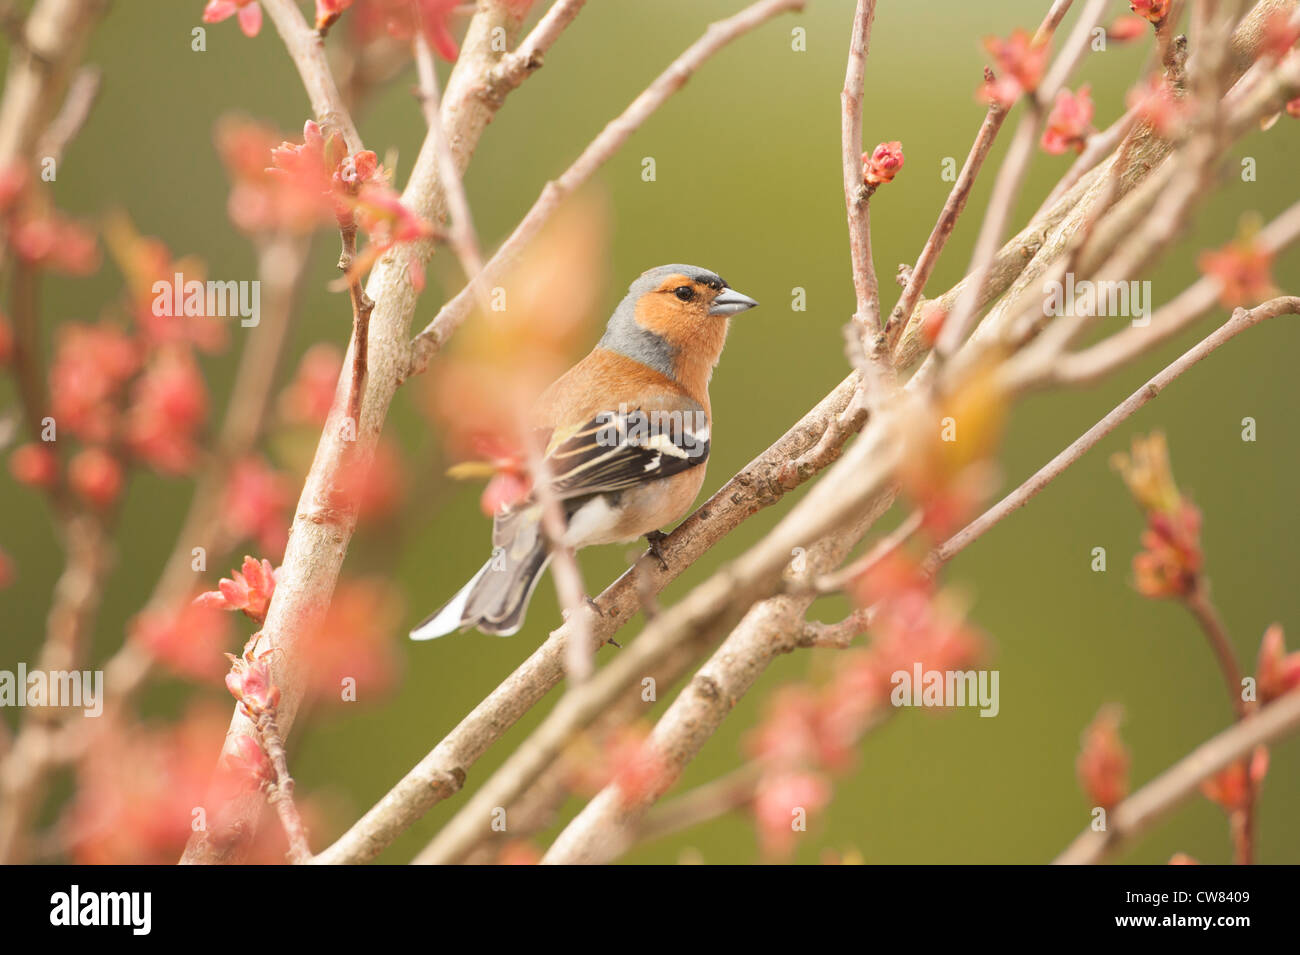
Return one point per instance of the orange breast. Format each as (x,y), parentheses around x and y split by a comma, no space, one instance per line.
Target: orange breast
(603,381)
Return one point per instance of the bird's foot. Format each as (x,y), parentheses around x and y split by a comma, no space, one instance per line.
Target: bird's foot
(655,539)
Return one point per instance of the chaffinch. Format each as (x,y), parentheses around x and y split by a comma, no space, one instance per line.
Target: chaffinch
(626,434)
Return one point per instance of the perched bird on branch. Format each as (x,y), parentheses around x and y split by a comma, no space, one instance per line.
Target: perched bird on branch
(626,433)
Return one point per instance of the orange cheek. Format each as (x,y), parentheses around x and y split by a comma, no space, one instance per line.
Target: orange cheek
(667,317)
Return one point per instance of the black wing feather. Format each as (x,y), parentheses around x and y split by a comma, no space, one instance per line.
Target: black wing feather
(615,451)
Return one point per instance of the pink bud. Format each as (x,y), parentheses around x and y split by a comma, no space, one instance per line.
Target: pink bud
(882,163)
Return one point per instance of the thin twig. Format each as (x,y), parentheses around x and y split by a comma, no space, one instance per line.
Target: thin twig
(952,209)
(461,234)
(702,804)
(566,573)
(838,635)
(1241,819)
(63,129)
(27,360)
(856,196)
(362,308)
(1207,615)
(525,59)
(280,795)
(1055,15)
(831,583)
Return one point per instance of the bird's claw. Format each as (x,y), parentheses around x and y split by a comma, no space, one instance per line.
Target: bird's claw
(655,539)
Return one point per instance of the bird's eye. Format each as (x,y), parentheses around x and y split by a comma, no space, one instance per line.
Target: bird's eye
(684,292)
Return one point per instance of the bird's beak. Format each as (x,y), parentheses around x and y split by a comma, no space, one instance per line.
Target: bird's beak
(729,302)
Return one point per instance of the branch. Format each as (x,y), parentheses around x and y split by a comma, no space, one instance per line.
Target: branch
(1055,14)
(843,494)
(538,807)
(891,542)
(1005,189)
(1241,820)
(321,531)
(606,826)
(1153,206)
(1163,794)
(28,365)
(306,47)
(835,636)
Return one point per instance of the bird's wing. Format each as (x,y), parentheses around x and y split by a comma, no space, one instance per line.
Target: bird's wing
(618,450)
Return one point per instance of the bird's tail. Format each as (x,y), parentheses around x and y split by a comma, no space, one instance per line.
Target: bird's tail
(495,599)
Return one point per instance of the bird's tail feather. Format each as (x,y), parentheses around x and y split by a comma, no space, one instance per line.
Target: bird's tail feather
(495,599)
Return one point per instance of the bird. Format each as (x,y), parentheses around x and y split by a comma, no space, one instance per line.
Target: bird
(626,433)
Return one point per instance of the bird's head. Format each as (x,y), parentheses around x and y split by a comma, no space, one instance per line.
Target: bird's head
(674,319)
(673,298)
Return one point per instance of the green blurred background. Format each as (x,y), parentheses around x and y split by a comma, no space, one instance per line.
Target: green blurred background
(749,185)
